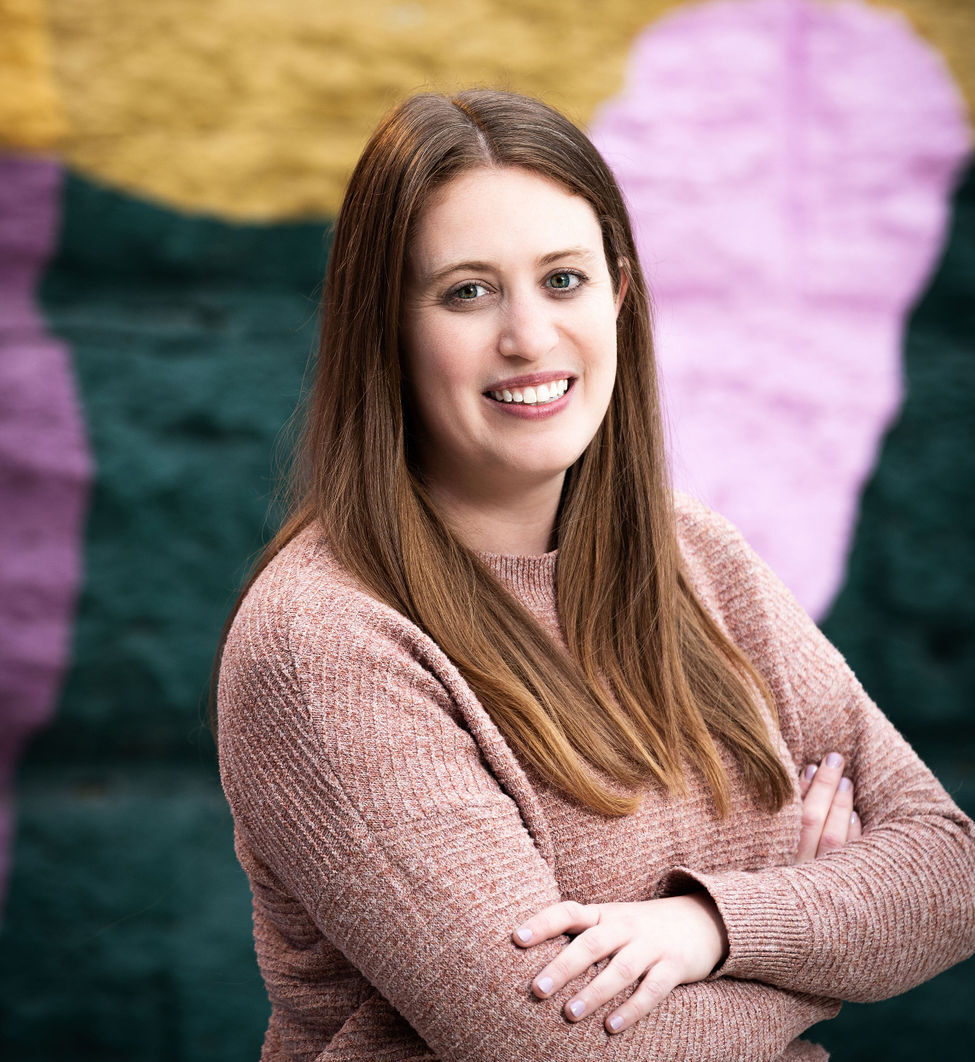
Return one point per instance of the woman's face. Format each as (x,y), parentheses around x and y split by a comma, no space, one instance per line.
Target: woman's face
(508,332)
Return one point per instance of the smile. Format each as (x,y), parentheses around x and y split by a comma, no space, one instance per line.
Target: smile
(532,396)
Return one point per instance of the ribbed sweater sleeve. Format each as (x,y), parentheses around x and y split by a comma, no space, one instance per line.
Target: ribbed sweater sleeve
(369,782)
(880,915)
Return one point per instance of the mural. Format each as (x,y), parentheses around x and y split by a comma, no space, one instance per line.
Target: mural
(167,177)
(44,474)
(791,203)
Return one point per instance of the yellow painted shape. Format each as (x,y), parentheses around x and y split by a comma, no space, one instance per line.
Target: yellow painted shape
(259,108)
(30,110)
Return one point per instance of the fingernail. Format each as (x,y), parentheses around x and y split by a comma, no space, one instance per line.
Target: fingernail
(810,772)
(615,1022)
(544,984)
(576,1008)
(524,934)
(845,784)
(834,759)
(853,819)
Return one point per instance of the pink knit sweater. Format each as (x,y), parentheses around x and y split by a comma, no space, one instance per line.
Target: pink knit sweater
(393,841)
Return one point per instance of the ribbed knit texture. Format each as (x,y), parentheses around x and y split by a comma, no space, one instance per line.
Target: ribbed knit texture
(393,841)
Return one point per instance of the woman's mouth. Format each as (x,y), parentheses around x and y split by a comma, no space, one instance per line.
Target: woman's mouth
(539,395)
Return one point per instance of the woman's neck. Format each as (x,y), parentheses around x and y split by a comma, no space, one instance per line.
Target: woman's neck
(521,523)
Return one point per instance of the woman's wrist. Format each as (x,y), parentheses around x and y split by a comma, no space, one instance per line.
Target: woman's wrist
(703,901)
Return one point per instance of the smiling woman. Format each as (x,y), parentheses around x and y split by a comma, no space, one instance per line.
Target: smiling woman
(509,348)
(493,686)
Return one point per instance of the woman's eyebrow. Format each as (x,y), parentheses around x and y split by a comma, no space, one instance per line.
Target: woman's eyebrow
(567,252)
(482,267)
(457,267)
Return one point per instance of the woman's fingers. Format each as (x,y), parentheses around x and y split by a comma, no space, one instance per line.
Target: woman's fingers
(836,829)
(576,958)
(816,803)
(656,944)
(659,982)
(626,967)
(566,917)
(828,818)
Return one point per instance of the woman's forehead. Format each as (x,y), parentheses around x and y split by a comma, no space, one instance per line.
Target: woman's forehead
(501,214)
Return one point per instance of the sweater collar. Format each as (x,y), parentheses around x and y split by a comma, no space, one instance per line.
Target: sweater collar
(530,579)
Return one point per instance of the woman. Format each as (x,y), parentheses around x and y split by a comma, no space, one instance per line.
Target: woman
(492,685)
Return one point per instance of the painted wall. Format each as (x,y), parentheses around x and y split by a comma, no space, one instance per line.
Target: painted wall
(167,175)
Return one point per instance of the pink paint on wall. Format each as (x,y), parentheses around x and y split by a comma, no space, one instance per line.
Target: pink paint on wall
(45,471)
(788,165)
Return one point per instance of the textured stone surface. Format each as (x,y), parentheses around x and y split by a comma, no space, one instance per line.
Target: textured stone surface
(129,939)
(948,25)
(906,614)
(44,474)
(127,932)
(189,337)
(30,106)
(790,202)
(258,110)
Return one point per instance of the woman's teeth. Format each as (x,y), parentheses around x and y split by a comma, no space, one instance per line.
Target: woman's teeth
(532,396)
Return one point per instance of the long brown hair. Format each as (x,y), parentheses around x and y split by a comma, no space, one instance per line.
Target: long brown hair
(649,683)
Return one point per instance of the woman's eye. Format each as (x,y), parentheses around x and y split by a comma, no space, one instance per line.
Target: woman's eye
(564,281)
(467,292)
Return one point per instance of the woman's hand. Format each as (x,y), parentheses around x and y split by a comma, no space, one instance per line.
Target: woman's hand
(828,818)
(665,942)
(676,940)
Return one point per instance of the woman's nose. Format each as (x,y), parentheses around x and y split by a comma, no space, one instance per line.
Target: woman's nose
(528,328)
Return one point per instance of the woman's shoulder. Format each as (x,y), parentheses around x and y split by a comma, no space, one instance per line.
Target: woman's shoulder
(755,609)
(305,599)
(302,570)
(716,557)
(732,581)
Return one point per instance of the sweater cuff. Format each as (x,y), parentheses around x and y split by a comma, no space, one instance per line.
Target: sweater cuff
(769,931)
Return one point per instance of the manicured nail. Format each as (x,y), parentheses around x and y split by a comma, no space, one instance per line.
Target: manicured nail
(577,1008)
(810,772)
(853,819)
(524,934)
(845,784)
(544,984)
(615,1022)
(834,759)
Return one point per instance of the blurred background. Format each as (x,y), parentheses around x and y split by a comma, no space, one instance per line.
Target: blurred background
(800,176)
